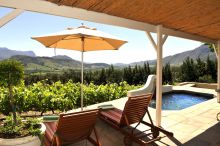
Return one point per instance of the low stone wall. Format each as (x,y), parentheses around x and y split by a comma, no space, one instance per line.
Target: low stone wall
(200,85)
(206,85)
(185,83)
(167,88)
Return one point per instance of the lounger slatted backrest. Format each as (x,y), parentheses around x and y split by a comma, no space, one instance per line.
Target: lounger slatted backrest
(135,109)
(74,127)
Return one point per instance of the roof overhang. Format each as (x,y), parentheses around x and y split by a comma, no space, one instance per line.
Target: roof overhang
(46,7)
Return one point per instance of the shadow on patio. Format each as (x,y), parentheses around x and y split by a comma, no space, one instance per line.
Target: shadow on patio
(110,137)
(209,137)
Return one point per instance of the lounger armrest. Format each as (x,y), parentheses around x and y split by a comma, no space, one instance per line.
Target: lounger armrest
(51,118)
(106,107)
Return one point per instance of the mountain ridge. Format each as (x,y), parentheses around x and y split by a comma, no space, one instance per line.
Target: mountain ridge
(202,52)
(34,63)
(7,53)
(50,64)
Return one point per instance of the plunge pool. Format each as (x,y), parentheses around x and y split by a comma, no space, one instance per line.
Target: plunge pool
(179,101)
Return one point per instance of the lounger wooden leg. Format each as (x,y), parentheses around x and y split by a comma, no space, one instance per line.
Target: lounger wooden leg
(96,143)
(93,142)
(156,130)
(97,138)
(58,142)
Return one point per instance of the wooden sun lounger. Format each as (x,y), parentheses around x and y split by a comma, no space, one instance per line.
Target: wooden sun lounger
(134,111)
(72,128)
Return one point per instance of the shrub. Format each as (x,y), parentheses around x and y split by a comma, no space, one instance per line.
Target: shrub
(25,127)
(43,97)
(11,74)
(206,79)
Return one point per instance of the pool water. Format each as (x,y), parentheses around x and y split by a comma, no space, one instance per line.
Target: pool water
(178,101)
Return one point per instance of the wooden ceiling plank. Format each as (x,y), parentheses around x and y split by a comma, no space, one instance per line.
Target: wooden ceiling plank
(86,4)
(43,6)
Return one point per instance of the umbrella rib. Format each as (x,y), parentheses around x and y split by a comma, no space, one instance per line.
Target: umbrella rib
(70,38)
(111,45)
(88,37)
(103,40)
(64,38)
(92,38)
(56,42)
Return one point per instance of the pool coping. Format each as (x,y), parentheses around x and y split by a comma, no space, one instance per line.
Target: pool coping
(191,92)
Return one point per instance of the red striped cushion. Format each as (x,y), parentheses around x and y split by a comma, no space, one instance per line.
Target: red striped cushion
(50,130)
(113,115)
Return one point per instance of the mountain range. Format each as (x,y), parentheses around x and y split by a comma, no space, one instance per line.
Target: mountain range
(34,63)
(57,63)
(6,53)
(201,52)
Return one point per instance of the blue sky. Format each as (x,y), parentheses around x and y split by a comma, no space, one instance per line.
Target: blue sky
(17,34)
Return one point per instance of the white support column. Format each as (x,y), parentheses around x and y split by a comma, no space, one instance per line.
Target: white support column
(12,15)
(159,49)
(218,84)
(159,76)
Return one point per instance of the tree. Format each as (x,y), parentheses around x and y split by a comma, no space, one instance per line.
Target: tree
(128,75)
(110,74)
(11,74)
(167,74)
(188,70)
(102,77)
(211,68)
(136,75)
(200,67)
(146,70)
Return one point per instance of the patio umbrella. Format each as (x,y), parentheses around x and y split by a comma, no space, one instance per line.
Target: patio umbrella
(81,39)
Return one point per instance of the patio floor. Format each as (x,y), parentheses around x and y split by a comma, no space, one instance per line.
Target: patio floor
(193,126)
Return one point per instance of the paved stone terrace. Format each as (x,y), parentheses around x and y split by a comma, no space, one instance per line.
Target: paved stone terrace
(193,126)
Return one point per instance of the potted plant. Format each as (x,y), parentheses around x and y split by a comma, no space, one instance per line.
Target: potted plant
(15,130)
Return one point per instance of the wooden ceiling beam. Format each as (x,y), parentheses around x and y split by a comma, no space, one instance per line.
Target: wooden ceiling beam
(42,6)
(10,16)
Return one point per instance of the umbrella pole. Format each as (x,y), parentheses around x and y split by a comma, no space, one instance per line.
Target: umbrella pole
(55,53)
(82,74)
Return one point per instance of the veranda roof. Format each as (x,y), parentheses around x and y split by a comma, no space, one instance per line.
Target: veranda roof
(199,17)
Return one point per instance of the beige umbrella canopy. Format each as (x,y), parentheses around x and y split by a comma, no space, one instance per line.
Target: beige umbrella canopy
(81,39)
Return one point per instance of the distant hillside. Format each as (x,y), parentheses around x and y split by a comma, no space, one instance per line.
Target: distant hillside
(6,53)
(62,62)
(58,63)
(203,52)
(62,57)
